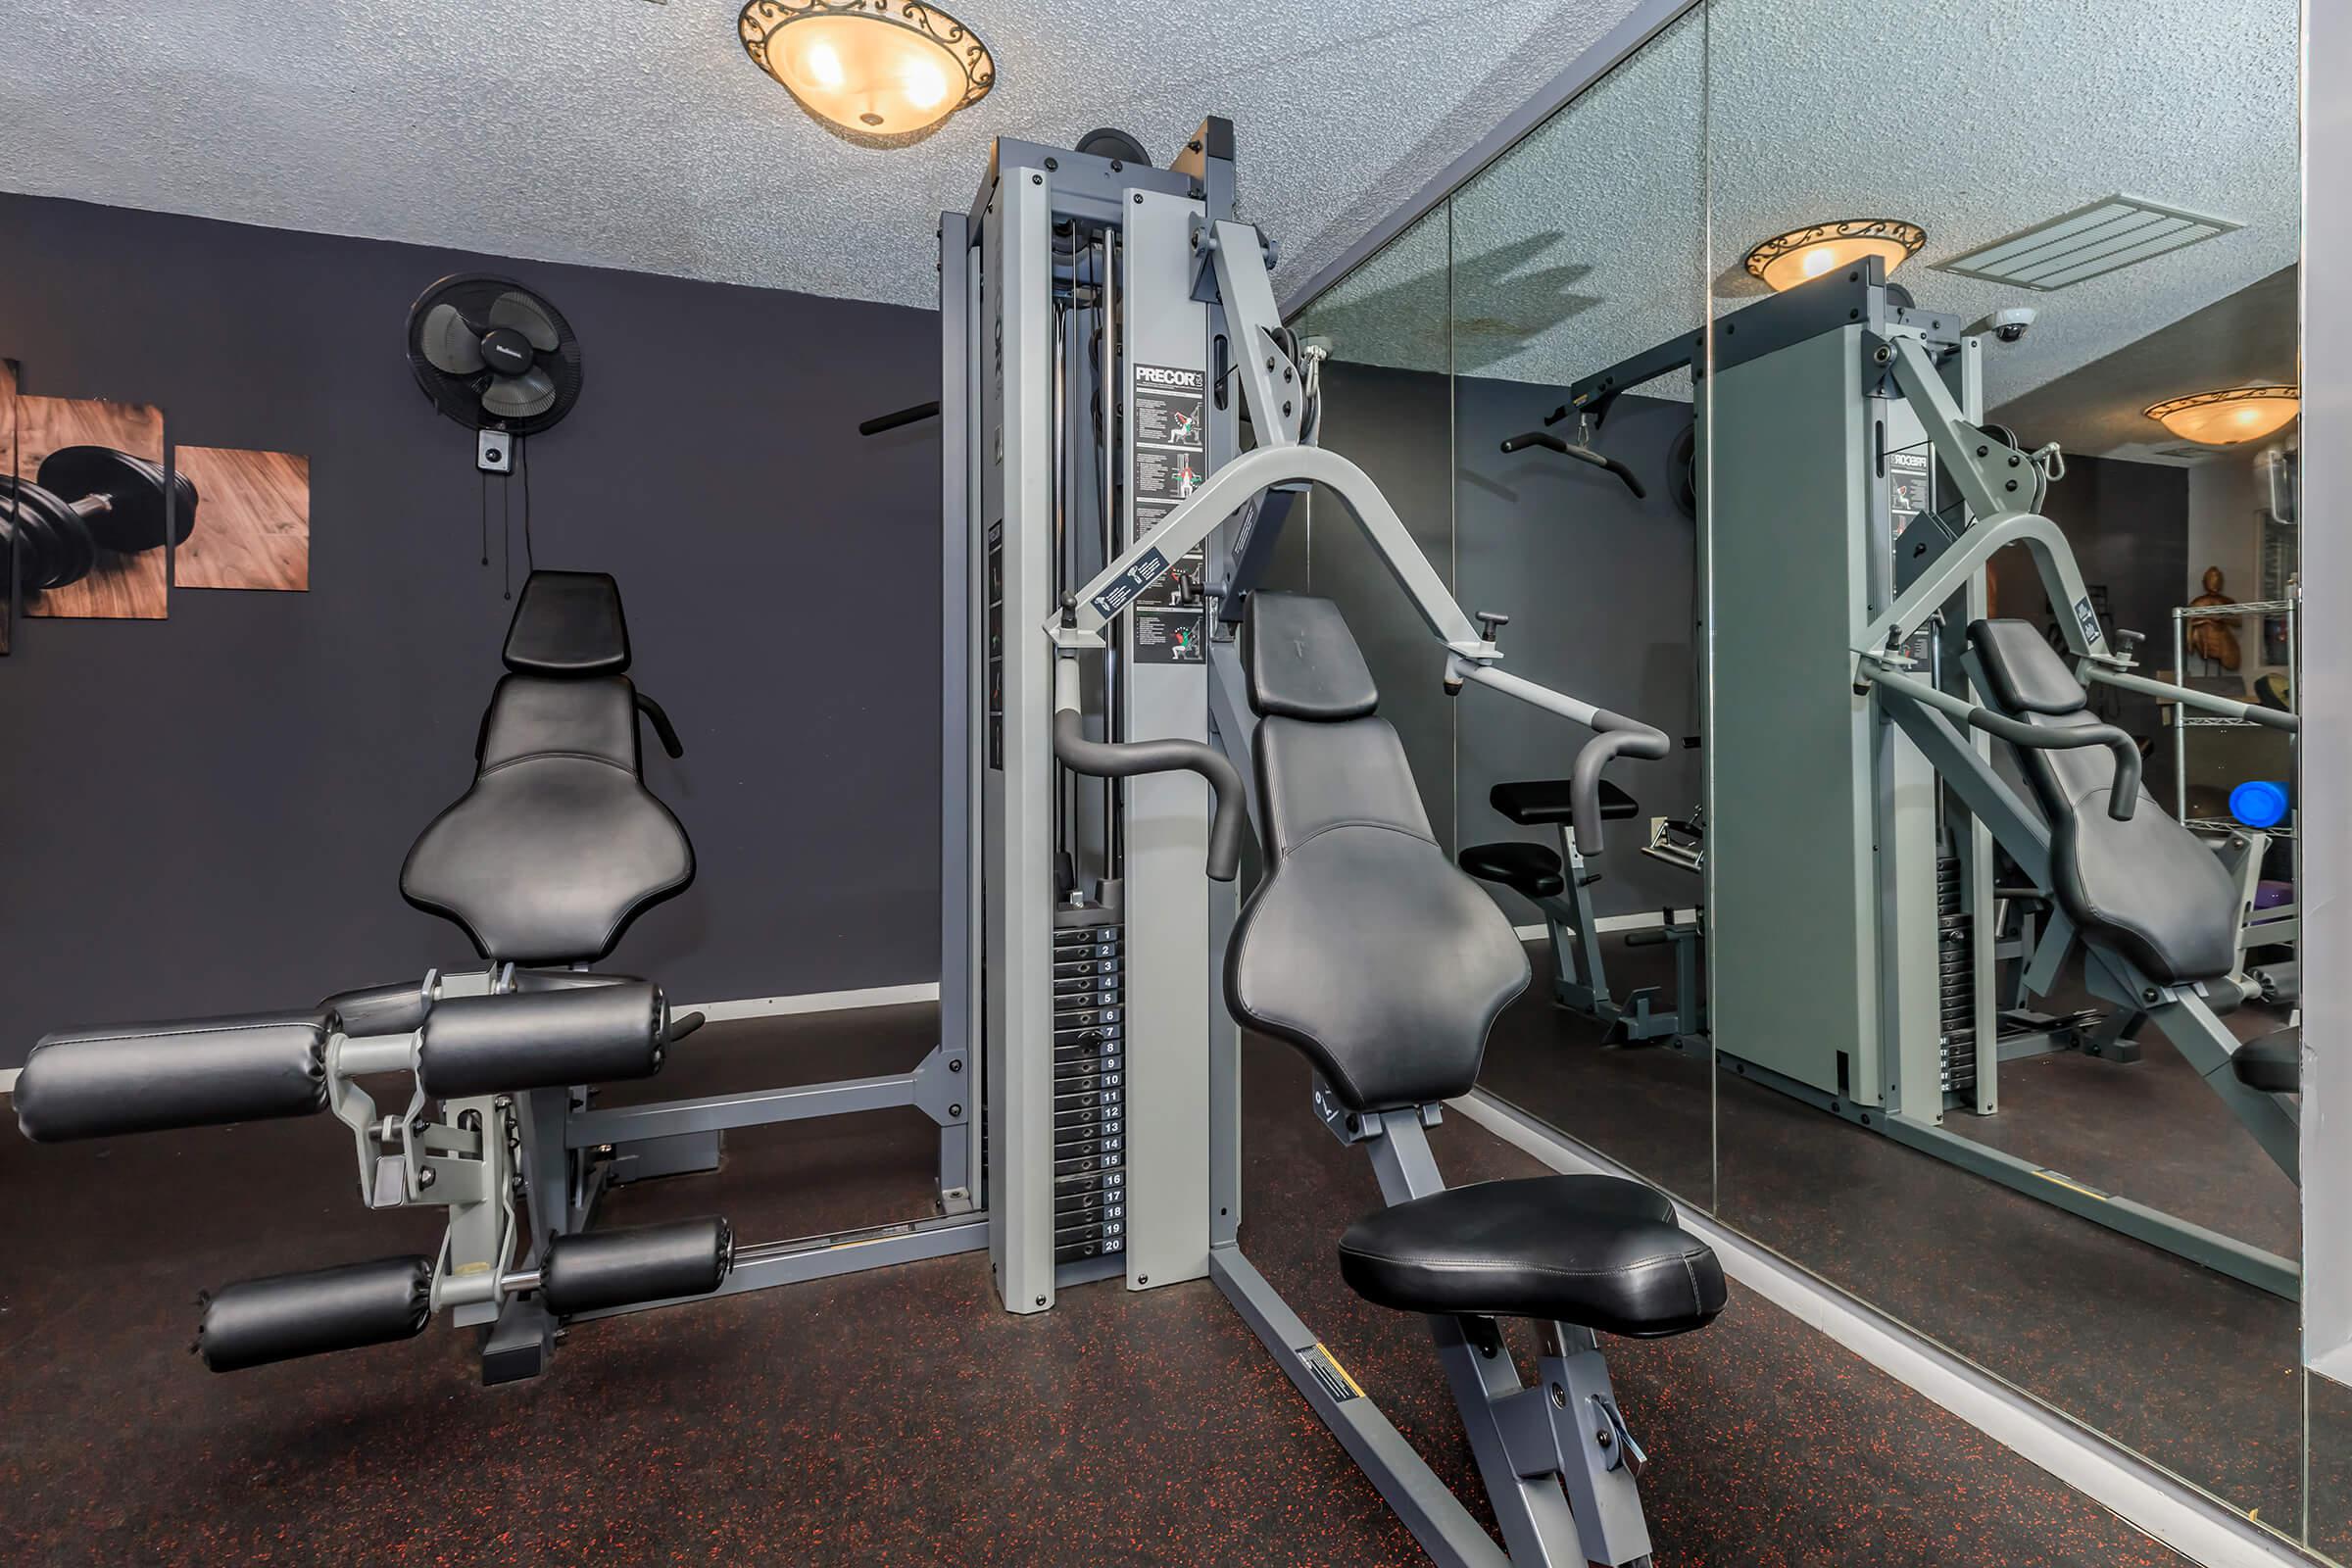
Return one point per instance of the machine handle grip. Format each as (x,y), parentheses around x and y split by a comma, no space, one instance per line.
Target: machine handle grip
(903,417)
(684,1024)
(1619,736)
(662,727)
(2121,798)
(1598,460)
(1124,759)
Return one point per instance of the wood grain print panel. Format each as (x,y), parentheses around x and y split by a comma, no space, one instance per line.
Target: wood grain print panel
(253,521)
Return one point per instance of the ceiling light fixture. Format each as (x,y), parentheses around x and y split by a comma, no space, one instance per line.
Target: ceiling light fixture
(2232,414)
(1803,253)
(883,72)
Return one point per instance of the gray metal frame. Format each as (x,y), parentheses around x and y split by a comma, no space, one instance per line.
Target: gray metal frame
(1580,970)
(1559,1461)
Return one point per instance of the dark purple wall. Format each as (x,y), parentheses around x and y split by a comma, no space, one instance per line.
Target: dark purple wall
(208,814)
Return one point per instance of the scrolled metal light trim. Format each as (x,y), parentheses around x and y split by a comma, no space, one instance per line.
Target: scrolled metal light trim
(1910,236)
(762,21)
(2233,394)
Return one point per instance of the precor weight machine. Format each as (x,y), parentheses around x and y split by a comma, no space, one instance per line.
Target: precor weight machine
(1107,329)
(1853,808)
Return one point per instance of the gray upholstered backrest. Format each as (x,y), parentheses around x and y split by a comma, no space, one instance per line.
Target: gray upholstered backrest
(2148,887)
(1364,947)
(558,845)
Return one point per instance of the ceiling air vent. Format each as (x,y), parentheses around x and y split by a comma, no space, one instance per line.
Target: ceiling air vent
(2103,237)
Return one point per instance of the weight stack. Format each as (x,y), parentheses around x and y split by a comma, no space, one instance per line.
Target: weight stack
(1955,981)
(1089,1094)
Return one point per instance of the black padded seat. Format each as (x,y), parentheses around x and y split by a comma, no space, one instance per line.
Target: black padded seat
(2148,888)
(1526,868)
(1544,802)
(558,845)
(2273,1064)
(1596,1251)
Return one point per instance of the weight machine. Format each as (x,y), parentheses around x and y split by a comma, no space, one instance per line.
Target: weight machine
(1113,667)
(544,862)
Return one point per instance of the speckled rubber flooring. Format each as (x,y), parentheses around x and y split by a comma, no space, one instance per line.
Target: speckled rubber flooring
(2195,1370)
(895,1418)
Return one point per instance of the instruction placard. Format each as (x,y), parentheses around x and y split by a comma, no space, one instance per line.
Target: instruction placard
(1171,451)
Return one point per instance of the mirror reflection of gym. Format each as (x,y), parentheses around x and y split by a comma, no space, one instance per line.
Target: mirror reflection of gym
(2002,984)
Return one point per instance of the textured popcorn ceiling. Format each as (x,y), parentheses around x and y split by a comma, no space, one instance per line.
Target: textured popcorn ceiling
(1974,118)
(629,134)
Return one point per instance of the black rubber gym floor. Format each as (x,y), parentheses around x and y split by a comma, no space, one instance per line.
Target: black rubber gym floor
(895,1417)
(2193,1369)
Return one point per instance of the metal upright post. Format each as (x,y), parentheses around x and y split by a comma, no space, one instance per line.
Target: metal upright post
(960,1177)
(1016,534)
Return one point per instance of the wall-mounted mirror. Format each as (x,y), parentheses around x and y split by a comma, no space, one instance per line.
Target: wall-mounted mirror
(1979,1043)
(1582,244)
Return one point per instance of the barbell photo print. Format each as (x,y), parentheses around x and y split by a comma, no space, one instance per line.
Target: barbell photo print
(92,509)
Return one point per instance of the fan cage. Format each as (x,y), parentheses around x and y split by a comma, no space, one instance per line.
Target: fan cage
(459,397)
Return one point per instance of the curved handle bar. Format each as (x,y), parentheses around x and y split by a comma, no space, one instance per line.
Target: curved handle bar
(682,1025)
(666,731)
(1619,736)
(2121,798)
(1553,443)
(1124,759)
(892,421)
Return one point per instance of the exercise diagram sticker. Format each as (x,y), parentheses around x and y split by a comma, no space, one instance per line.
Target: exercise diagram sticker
(2089,621)
(1171,449)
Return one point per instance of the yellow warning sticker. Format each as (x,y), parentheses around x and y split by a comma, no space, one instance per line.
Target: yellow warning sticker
(1332,1375)
(2059,1179)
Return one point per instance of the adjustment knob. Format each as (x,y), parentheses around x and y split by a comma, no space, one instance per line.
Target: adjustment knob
(1490,623)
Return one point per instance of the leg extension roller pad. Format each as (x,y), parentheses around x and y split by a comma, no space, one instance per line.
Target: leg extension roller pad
(136,1078)
(255,1322)
(592,1270)
(543,1040)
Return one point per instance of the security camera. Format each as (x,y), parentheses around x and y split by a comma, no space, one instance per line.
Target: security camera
(2008,323)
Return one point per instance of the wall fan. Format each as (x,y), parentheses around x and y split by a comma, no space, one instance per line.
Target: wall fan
(494,356)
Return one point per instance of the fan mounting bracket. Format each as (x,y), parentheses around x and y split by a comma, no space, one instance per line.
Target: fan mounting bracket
(494,451)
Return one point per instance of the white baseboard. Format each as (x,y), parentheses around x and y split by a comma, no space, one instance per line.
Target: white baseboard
(8,1080)
(811,1002)
(2164,1506)
(1609,924)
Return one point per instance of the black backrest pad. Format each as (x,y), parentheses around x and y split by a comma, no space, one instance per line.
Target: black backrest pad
(1302,661)
(2025,673)
(2149,888)
(569,624)
(1364,946)
(559,844)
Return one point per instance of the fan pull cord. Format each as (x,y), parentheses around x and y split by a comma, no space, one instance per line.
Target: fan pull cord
(530,555)
(506,534)
(485,517)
